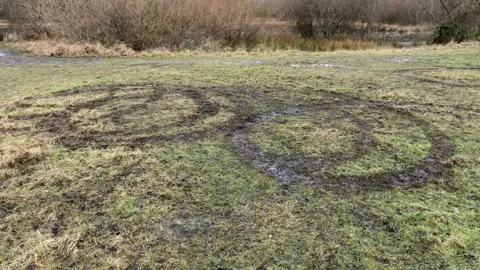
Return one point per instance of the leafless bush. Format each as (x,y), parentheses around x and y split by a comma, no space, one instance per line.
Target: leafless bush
(304,15)
(330,17)
(140,24)
(3,11)
(178,24)
(325,17)
(459,21)
(444,10)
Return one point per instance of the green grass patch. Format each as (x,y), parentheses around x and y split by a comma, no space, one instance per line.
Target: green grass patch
(297,136)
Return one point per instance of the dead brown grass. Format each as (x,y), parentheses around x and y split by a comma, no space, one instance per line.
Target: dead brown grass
(43,249)
(21,151)
(287,42)
(49,48)
(401,28)
(263,46)
(68,49)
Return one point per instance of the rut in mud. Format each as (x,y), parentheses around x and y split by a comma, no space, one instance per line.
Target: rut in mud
(123,108)
(321,171)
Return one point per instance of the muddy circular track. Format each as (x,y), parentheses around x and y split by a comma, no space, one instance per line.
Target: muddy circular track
(73,134)
(422,76)
(206,104)
(318,171)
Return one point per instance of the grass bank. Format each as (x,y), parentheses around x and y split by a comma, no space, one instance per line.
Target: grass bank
(264,45)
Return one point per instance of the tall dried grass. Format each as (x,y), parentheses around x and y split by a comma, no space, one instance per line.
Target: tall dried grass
(286,42)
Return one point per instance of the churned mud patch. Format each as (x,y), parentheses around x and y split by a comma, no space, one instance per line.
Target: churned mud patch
(392,148)
(336,141)
(131,115)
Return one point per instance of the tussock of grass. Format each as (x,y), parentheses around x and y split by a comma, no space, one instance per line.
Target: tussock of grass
(19,151)
(42,250)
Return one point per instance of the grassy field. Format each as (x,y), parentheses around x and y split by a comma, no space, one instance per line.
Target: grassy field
(344,160)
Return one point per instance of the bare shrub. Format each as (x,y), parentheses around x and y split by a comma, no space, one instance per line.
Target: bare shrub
(3,11)
(324,17)
(459,20)
(302,12)
(140,24)
(189,24)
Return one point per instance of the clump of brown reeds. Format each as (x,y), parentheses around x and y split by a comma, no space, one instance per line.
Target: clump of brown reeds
(286,42)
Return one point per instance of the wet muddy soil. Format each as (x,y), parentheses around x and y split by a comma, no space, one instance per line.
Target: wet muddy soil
(286,169)
(10,58)
(69,131)
(294,169)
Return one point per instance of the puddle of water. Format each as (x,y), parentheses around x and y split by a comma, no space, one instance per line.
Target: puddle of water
(11,59)
(313,65)
(401,60)
(4,53)
(237,62)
